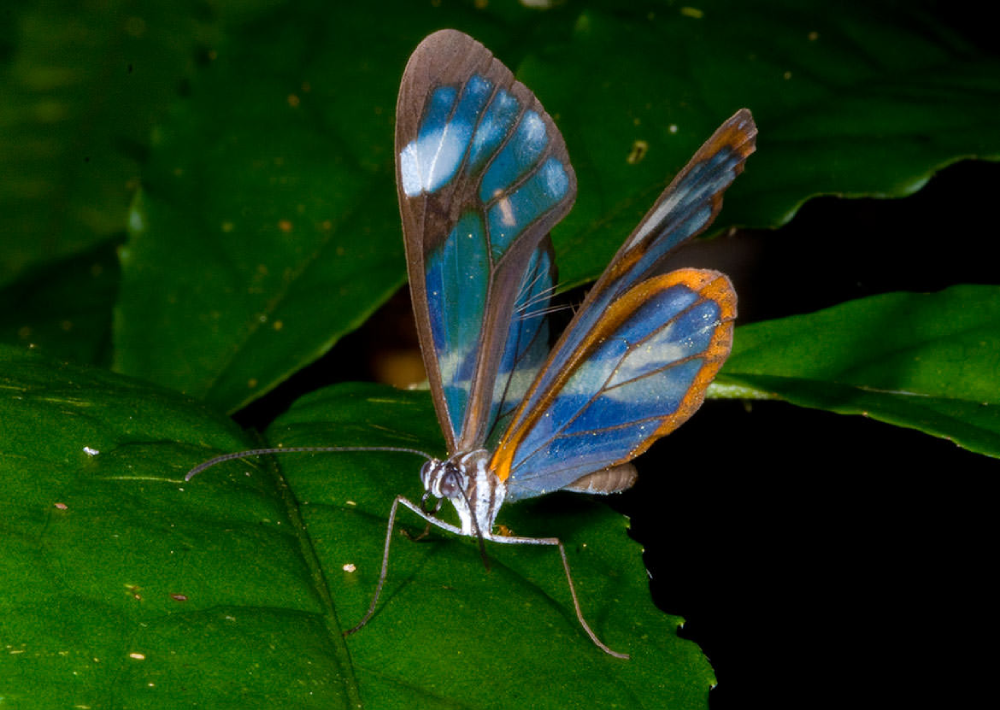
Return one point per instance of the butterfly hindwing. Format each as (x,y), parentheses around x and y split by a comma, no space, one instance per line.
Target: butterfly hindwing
(527,344)
(637,375)
(482,175)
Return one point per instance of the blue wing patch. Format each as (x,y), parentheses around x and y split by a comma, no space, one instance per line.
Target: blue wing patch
(460,263)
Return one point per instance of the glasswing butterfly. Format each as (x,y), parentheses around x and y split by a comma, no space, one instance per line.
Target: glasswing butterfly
(482,176)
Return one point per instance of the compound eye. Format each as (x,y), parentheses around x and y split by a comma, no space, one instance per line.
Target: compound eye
(451,483)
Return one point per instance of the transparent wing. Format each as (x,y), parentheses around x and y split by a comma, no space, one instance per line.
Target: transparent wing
(482,175)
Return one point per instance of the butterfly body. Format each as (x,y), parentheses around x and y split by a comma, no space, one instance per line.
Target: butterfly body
(475,491)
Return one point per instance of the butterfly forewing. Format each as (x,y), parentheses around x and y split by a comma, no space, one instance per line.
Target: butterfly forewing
(482,175)
(686,207)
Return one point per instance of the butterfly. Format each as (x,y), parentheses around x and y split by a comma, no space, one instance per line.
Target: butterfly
(482,177)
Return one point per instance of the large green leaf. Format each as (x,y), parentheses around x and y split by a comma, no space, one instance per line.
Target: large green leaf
(925,361)
(128,587)
(270,189)
(851,99)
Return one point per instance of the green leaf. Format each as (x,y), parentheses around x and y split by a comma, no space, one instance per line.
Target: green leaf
(858,99)
(272,217)
(127,585)
(924,361)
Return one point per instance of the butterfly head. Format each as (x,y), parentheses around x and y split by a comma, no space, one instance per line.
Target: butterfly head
(442,479)
(466,480)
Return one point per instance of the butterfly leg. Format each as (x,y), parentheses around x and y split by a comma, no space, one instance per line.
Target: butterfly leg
(554,541)
(427,528)
(431,520)
(507,540)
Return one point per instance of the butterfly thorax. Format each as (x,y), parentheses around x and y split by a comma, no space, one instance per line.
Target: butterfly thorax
(467,481)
